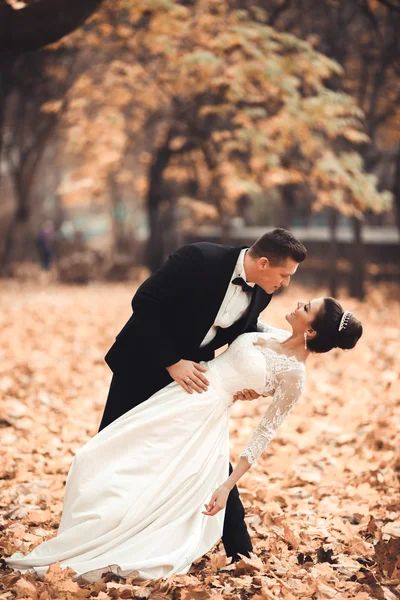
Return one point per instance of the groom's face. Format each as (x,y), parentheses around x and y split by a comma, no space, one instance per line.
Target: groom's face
(270,278)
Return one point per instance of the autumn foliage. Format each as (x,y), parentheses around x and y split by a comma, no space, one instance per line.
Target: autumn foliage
(180,110)
(250,106)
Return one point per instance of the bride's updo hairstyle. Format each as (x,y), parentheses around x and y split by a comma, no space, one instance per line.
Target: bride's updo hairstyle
(334,328)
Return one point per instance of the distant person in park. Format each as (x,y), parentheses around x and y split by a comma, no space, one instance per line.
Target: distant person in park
(153,490)
(45,245)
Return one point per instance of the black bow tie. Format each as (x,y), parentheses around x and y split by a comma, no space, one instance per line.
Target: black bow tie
(240,281)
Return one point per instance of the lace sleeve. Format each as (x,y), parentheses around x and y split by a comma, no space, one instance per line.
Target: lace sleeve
(287,392)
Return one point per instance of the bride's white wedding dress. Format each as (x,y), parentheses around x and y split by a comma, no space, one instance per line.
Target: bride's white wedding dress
(136,491)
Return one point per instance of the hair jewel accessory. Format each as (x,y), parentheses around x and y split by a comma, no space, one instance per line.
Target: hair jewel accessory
(344,320)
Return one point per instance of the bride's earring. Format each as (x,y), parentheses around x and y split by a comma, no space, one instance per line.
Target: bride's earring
(305,340)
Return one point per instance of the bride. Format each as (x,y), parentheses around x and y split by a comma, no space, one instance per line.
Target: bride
(145,497)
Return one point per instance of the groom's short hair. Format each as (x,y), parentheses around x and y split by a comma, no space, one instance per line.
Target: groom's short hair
(278,245)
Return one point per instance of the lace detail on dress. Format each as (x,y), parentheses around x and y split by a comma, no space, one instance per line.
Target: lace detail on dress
(285,379)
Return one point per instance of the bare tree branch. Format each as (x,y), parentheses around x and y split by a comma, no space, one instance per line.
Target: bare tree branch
(390,5)
(41,23)
(278,11)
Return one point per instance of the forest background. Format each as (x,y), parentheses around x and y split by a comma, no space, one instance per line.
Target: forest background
(158,122)
(128,128)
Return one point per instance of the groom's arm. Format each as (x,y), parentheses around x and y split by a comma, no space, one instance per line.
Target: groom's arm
(170,285)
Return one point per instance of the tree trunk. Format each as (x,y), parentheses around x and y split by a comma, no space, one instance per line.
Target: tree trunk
(333,252)
(216,193)
(288,204)
(225,237)
(23,177)
(20,217)
(8,244)
(357,278)
(396,188)
(173,238)
(155,246)
(6,67)
(117,220)
(224,221)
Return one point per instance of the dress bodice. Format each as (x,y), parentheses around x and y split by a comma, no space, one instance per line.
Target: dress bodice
(247,365)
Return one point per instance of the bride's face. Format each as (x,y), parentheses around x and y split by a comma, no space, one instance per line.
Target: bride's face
(304,314)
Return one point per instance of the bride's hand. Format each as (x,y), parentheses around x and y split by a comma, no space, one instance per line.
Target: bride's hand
(218,501)
(246,395)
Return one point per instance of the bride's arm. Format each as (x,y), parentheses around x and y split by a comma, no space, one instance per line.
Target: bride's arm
(288,391)
(220,496)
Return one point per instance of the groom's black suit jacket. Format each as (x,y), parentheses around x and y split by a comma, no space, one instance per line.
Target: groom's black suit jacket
(172,312)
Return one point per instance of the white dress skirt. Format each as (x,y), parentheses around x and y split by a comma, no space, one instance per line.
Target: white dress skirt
(136,491)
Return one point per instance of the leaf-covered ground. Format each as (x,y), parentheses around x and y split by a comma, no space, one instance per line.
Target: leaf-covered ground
(322,504)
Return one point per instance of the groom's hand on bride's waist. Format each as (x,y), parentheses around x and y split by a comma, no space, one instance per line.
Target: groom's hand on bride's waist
(246,395)
(189,375)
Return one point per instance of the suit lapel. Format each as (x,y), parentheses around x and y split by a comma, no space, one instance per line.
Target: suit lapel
(259,301)
(216,281)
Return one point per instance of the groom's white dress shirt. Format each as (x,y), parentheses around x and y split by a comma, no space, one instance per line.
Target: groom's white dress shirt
(235,303)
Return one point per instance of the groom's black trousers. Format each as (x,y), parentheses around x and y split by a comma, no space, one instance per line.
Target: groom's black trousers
(235,536)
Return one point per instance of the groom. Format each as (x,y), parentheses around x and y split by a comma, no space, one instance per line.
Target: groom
(203,297)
